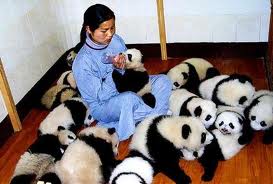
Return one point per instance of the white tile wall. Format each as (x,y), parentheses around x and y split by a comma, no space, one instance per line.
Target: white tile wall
(34,33)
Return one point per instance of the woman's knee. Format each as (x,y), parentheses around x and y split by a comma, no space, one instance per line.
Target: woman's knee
(129,97)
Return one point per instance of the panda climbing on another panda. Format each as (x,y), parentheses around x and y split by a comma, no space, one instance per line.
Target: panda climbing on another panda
(90,158)
(260,114)
(189,73)
(135,77)
(231,134)
(160,139)
(233,90)
(71,114)
(185,103)
(41,156)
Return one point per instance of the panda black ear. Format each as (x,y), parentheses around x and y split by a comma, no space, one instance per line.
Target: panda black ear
(186,130)
(185,75)
(242,100)
(111,130)
(129,57)
(197,111)
(60,128)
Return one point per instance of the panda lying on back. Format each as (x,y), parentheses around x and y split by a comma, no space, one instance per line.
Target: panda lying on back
(135,78)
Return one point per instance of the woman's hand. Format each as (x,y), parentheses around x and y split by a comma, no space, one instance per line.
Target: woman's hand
(119,61)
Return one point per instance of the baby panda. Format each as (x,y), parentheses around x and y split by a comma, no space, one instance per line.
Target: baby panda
(190,72)
(40,156)
(133,170)
(161,138)
(135,77)
(56,95)
(232,133)
(185,103)
(71,114)
(90,158)
(67,78)
(233,90)
(260,114)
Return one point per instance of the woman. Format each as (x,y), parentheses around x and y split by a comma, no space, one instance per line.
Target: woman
(93,75)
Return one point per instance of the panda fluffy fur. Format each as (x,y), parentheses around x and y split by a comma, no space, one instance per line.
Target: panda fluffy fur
(90,158)
(67,78)
(135,77)
(133,170)
(40,156)
(232,133)
(190,72)
(161,138)
(71,114)
(185,103)
(260,114)
(233,90)
(57,95)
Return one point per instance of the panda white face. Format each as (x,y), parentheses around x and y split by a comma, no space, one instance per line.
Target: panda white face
(205,110)
(65,136)
(228,123)
(133,59)
(179,75)
(261,116)
(185,132)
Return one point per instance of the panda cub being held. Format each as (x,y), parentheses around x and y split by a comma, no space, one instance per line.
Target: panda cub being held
(232,133)
(135,77)
(160,139)
(260,114)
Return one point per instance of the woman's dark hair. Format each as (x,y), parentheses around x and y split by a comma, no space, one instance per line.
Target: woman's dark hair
(94,16)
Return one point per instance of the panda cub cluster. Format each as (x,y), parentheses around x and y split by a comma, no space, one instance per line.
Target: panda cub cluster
(235,109)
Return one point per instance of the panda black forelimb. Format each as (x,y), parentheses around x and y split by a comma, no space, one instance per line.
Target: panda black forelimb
(173,171)
(209,160)
(247,133)
(117,78)
(268,136)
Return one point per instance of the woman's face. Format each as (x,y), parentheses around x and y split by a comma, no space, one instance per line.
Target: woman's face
(104,33)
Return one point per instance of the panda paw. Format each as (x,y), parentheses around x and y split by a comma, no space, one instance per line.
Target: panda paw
(267,141)
(149,99)
(187,179)
(206,177)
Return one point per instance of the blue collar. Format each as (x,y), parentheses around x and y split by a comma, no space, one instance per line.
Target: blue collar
(91,44)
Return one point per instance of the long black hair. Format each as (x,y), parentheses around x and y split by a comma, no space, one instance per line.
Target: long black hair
(94,16)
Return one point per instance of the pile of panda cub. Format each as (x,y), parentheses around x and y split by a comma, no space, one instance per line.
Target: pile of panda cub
(214,116)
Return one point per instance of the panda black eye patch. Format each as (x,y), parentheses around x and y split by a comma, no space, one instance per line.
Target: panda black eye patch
(176,84)
(130,57)
(208,117)
(70,137)
(203,137)
(263,124)
(253,118)
(220,124)
(231,125)
(242,100)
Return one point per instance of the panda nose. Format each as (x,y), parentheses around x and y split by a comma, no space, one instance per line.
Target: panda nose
(176,84)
